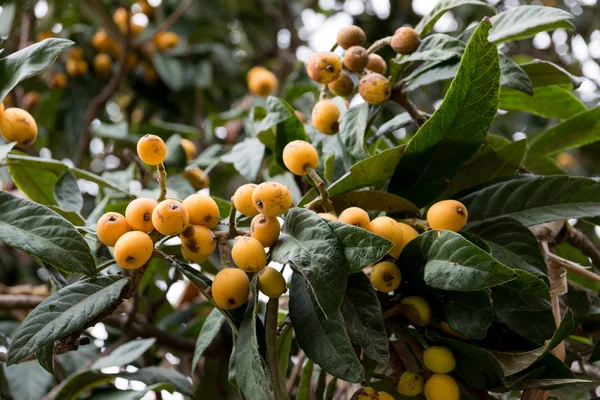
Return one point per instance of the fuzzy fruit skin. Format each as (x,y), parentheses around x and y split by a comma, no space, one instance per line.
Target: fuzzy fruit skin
(242,200)
(439,359)
(365,393)
(324,67)
(17,125)
(385,396)
(389,229)
(447,329)
(265,229)
(441,387)
(198,240)
(194,257)
(385,276)
(356,59)
(151,149)
(299,154)
(376,64)
(327,216)
(271,283)
(248,254)
(202,209)
(351,36)
(342,86)
(405,40)
(411,383)
(272,198)
(374,88)
(451,215)
(133,250)
(166,40)
(102,63)
(59,81)
(110,227)
(170,217)
(230,288)
(261,81)
(190,149)
(196,177)
(139,214)
(355,216)
(1,113)
(325,116)
(421,311)
(408,234)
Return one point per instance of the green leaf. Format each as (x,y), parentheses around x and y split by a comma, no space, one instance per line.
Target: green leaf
(372,170)
(170,70)
(249,365)
(44,234)
(45,357)
(436,47)
(288,130)
(458,127)
(246,157)
(324,340)
(374,201)
(534,200)
(577,131)
(118,132)
(305,381)
(547,101)
(210,329)
(514,77)
(487,165)
(312,249)
(27,381)
(468,314)
(28,62)
(543,165)
(284,344)
(124,354)
(352,133)
(448,261)
(5,149)
(545,73)
(398,122)
(67,193)
(64,312)
(224,206)
(430,72)
(428,21)
(154,375)
(363,318)
(278,111)
(525,21)
(176,158)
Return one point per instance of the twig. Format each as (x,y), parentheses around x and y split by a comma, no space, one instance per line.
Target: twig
(579,240)
(568,265)
(334,47)
(232,227)
(323,92)
(277,379)
(19,301)
(224,252)
(401,97)
(295,371)
(378,44)
(167,23)
(162,181)
(320,184)
(59,348)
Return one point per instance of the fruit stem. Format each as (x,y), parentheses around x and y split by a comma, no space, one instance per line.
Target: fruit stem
(416,223)
(323,92)
(232,228)
(320,184)
(162,181)
(334,47)
(224,252)
(378,44)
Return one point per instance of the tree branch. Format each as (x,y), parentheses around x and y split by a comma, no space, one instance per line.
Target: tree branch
(167,23)
(19,301)
(320,184)
(59,348)
(579,240)
(400,96)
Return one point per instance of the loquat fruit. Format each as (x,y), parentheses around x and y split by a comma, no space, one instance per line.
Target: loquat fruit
(166,40)
(389,229)
(351,36)
(194,257)
(419,310)
(196,177)
(133,250)
(139,214)
(265,229)
(202,209)
(110,227)
(189,148)
(170,217)
(199,240)
(59,81)
(242,200)
(75,53)
(408,234)
(271,283)
(325,117)
(356,59)
(248,254)
(385,276)
(342,86)
(17,125)
(230,288)
(441,387)
(450,215)
(355,216)
(101,42)
(374,88)
(405,40)
(102,64)
(324,67)
(44,35)
(30,100)
(261,81)
(376,64)
(151,149)
(327,216)
(298,155)
(439,359)
(385,396)
(365,393)
(272,198)
(410,383)
(120,16)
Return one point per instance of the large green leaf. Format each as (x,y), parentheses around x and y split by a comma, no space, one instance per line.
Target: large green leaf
(535,199)
(324,340)
(469,314)
(544,73)
(429,20)
(513,76)
(249,364)
(44,234)
(27,381)
(458,127)
(312,249)
(547,101)
(577,131)
(352,133)
(436,47)
(67,193)
(373,201)
(246,157)
(430,72)
(446,260)
(64,312)
(28,62)
(209,331)
(363,318)
(525,21)
(124,354)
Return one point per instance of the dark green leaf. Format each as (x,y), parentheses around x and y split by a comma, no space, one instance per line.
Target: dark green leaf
(430,72)
(436,47)
(547,101)
(352,133)
(154,375)
(67,193)
(80,381)
(429,20)
(544,73)
(543,165)
(305,381)
(398,122)
(44,234)
(324,340)
(363,318)
(27,381)
(209,331)
(468,314)
(535,199)
(458,127)
(525,21)
(224,206)
(124,354)
(170,70)
(28,62)
(246,157)
(45,357)
(514,77)
(65,311)
(374,201)
(288,130)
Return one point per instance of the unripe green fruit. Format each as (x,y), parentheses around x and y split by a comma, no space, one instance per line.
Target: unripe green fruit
(342,86)
(441,387)
(374,88)
(411,383)
(439,359)
(405,40)
(325,116)
(356,59)
(324,67)
(351,36)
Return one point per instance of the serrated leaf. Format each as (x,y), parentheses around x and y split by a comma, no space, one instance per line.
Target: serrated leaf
(124,354)
(352,133)
(64,312)
(547,101)
(525,21)
(44,234)
(324,340)
(514,77)
(429,20)
(312,249)
(544,73)
(458,127)
(28,62)
(436,47)
(446,260)
(363,318)
(373,201)
(67,193)
(246,157)
(535,199)
(468,314)
(207,334)
(27,381)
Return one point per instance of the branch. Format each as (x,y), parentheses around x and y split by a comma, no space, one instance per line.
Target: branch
(59,348)
(19,301)
(379,44)
(162,181)
(232,214)
(320,184)
(224,252)
(579,240)
(167,23)
(401,97)
(295,372)
(553,259)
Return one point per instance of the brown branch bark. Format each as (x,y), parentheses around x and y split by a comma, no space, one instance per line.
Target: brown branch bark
(401,97)
(579,240)
(19,301)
